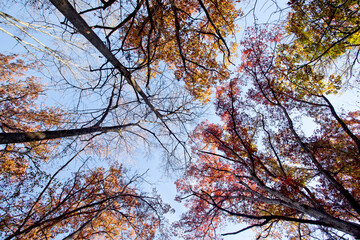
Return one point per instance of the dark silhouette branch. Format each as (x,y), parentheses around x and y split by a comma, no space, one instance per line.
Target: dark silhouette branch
(7,138)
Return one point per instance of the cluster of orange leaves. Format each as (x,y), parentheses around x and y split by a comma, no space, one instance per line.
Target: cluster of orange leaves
(179,34)
(94,204)
(20,111)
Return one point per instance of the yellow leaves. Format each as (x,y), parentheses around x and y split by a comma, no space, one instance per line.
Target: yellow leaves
(305,80)
(324,32)
(334,84)
(355,39)
(321,35)
(185,42)
(12,167)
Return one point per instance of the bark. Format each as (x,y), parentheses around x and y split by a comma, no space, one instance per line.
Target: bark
(7,138)
(79,23)
(283,200)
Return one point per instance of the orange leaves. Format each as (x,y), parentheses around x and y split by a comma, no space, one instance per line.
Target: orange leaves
(19,111)
(94,204)
(259,165)
(188,36)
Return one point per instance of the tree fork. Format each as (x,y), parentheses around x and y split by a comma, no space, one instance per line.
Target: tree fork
(79,23)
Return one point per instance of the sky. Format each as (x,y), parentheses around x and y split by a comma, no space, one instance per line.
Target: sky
(142,161)
(151,164)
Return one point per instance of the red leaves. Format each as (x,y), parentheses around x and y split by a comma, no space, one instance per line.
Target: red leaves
(259,165)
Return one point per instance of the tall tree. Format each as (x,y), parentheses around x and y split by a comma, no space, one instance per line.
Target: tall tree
(186,35)
(39,203)
(142,41)
(259,167)
(325,32)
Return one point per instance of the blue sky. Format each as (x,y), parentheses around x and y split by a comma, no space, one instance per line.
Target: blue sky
(142,161)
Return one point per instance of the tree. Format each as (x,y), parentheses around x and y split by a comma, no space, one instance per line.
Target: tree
(35,201)
(259,167)
(36,204)
(325,33)
(92,204)
(185,36)
(56,209)
(21,112)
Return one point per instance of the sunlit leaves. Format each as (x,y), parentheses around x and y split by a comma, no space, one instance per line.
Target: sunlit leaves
(324,30)
(91,205)
(259,166)
(21,111)
(190,37)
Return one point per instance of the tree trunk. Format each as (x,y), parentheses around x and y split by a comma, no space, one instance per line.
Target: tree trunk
(7,138)
(79,23)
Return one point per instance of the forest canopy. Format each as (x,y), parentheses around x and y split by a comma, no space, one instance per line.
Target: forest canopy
(248,102)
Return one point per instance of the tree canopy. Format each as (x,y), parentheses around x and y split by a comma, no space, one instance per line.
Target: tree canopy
(21,113)
(259,166)
(283,158)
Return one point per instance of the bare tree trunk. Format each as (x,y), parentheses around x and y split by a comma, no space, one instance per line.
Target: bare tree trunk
(79,23)
(6,138)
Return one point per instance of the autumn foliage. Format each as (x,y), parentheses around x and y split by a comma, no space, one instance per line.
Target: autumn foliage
(325,30)
(21,112)
(259,167)
(93,204)
(37,204)
(188,38)
(283,160)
